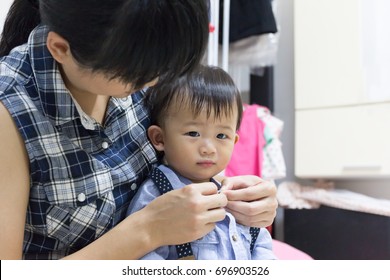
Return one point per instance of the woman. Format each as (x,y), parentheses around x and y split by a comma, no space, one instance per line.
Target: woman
(73,123)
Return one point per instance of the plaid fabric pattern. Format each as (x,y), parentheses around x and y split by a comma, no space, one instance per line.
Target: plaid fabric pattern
(83,175)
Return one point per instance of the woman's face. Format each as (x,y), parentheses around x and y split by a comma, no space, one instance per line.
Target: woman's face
(84,83)
(80,80)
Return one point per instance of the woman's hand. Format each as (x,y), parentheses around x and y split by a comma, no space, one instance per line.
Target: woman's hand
(185,214)
(251,200)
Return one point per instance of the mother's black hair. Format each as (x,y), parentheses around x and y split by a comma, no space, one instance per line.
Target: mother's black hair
(132,40)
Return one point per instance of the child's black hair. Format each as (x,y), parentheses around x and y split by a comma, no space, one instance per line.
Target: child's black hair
(207,87)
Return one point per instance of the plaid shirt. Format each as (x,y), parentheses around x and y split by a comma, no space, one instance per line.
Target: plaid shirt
(83,175)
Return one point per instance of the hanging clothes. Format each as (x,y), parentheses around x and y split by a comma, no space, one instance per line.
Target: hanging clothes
(274,166)
(248,18)
(255,51)
(247,157)
(259,149)
(253,38)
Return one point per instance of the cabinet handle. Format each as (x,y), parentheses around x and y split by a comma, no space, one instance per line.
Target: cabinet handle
(372,167)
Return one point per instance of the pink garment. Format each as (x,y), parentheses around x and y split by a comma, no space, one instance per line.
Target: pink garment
(247,157)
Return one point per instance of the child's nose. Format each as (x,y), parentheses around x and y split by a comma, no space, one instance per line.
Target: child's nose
(207,147)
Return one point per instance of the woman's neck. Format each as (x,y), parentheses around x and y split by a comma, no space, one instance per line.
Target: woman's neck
(94,106)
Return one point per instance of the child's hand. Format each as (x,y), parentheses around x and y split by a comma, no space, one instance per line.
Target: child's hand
(252,201)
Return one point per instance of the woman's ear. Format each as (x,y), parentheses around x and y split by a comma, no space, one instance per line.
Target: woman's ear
(58,47)
(156,136)
(236,138)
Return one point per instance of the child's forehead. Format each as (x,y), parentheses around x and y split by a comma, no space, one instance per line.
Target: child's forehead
(204,112)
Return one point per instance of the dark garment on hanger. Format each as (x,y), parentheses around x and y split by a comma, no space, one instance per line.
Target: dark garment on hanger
(208,9)
(248,18)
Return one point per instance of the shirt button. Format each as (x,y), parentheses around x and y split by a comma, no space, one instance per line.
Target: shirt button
(81,197)
(234,237)
(104,145)
(133,186)
(85,119)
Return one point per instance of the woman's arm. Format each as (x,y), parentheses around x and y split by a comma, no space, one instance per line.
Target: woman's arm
(14,187)
(252,201)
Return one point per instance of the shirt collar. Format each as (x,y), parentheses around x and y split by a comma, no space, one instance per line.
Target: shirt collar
(57,103)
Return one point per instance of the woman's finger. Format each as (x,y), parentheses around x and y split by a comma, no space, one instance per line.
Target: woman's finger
(208,194)
(259,191)
(239,182)
(255,213)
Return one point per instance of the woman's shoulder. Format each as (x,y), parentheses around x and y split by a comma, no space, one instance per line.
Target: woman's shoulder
(10,134)
(16,76)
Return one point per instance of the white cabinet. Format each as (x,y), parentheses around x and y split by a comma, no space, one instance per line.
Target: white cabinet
(343,142)
(327,70)
(342,89)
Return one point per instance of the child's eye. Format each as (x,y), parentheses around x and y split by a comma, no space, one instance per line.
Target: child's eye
(193,134)
(222,136)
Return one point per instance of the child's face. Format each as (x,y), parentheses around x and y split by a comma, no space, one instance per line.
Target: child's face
(198,148)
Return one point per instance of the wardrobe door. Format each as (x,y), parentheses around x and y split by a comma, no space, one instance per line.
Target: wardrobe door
(327,63)
(341,52)
(342,88)
(343,142)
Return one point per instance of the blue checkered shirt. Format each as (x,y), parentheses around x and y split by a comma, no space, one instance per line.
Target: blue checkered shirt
(82,175)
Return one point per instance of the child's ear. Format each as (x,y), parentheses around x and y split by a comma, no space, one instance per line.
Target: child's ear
(236,138)
(156,136)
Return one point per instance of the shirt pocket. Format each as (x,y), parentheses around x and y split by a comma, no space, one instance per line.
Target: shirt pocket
(206,248)
(81,209)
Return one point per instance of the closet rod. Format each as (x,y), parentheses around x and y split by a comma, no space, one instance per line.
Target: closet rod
(212,57)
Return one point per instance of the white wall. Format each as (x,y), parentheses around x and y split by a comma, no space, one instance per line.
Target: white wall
(4,7)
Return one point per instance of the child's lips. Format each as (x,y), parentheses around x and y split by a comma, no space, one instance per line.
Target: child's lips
(206,163)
